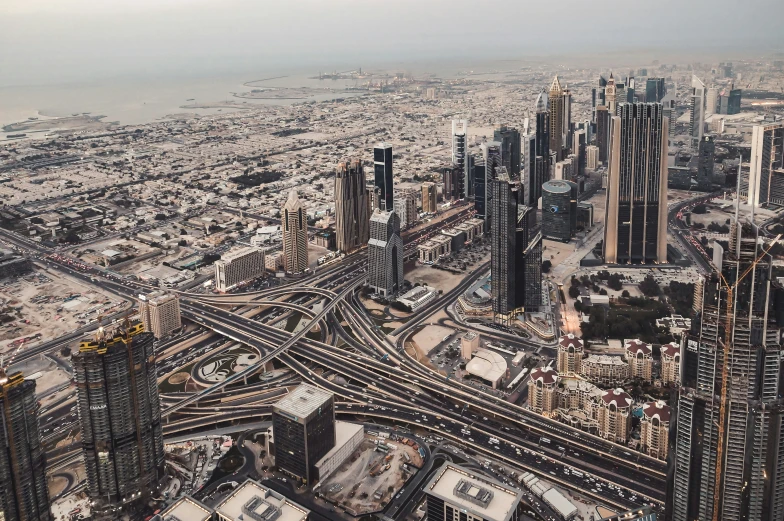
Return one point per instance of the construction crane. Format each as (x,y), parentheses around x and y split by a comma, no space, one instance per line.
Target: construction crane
(727,347)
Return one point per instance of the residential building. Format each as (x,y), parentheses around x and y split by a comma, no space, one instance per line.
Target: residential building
(253,501)
(295,235)
(640,359)
(559,210)
(459,156)
(406,209)
(454,491)
(303,427)
(614,415)
(352,207)
(605,369)
(24,494)
(433,249)
(636,221)
(511,153)
(592,161)
(542,390)
(451,176)
(429,198)
(239,266)
(731,427)
(766,174)
(385,254)
(557,111)
(697,113)
(160,313)
(654,429)
(671,364)
(570,355)
(120,417)
(382,175)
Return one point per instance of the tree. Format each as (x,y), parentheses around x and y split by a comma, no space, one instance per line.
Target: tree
(574,292)
(546,265)
(182,242)
(625,294)
(649,286)
(160,216)
(700,209)
(602,291)
(65,352)
(614,282)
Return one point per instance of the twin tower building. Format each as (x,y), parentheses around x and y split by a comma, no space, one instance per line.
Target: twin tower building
(369,218)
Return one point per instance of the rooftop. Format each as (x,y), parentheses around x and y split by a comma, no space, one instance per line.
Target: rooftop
(570,340)
(303,401)
(619,397)
(186,509)
(672,349)
(481,496)
(254,502)
(487,365)
(238,253)
(547,375)
(657,409)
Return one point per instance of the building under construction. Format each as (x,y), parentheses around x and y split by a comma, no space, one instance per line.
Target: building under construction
(120,417)
(23,491)
(729,433)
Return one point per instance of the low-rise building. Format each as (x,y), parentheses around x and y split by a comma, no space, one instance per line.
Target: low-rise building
(348,436)
(185,509)
(251,500)
(614,415)
(639,356)
(542,391)
(677,324)
(417,297)
(605,369)
(469,343)
(488,366)
(654,429)
(671,364)
(431,251)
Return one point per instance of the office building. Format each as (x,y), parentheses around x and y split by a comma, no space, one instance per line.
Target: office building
(655,427)
(557,117)
(559,210)
(766,173)
(711,101)
(636,229)
(382,175)
(480,190)
(729,101)
(295,235)
(352,207)
(429,198)
(639,356)
(614,415)
(238,267)
(303,427)
(567,126)
(451,176)
(406,210)
(542,391)
(460,156)
(120,418)
(562,171)
(385,254)
(511,153)
(538,153)
(603,132)
(697,114)
(516,259)
(252,501)
(598,96)
(706,154)
(592,161)
(578,147)
(160,313)
(185,509)
(456,493)
(654,90)
(491,159)
(23,489)
(671,364)
(570,355)
(729,443)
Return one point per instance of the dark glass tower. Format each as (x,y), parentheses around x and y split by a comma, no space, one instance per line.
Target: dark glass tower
(120,418)
(654,90)
(382,168)
(559,210)
(636,229)
(303,427)
(510,141)
(23,491)
(539,153)
(705,161)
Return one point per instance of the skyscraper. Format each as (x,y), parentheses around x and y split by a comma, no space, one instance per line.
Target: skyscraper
(452,175)
(654,90)
(382,170)
(429,198)
(23,491)
(385,254)
(120,419)
(459,155)
(515,261)
(406,209)
(766,173)
(697,114)
(539,152)
(705,161)
(603,132)
(480,190)
(491,155)
(611,96)
(711,101)
(729,101)
(729,435)
(352,207)
(160,312)
(559,210)
(566,127)
(636,229)
(598,96)
(295,235)
(557,118)
(510,141)
(237,267)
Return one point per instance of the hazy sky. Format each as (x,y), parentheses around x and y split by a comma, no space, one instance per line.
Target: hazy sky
(46,41)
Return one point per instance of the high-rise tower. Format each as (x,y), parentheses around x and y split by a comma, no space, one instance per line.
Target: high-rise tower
(509,138)
(120,419)
(491,155)
(636,229)
(557,115)
(23,491)
(295,235)
(539,152)
(352,207)
(385,254)
(766,173)
(697,114)
(610,96)
(459,155)
(729,435)
(382,175)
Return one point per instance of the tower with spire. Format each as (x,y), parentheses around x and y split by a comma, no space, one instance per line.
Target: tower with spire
(557,118)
